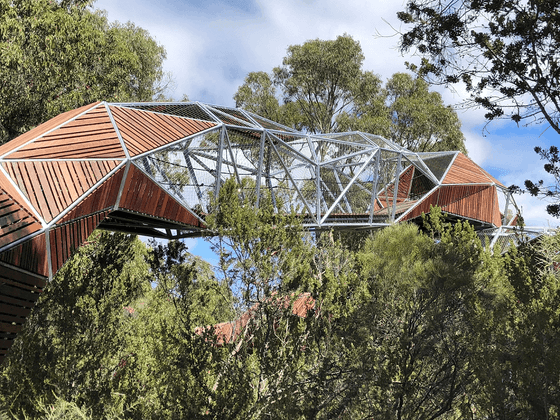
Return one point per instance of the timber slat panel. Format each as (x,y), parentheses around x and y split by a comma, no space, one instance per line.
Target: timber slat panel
(424,206)
(496,215)
(64,240)
(14,311)
(15,221)
(405,182)
(50,193)
(91,135)
(143,131)
(477,202)
(477,205)
(4,326)
(463,170)
(43,128)
(142,195)
(31,255)
(102,198)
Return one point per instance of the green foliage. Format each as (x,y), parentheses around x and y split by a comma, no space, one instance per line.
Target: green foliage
(411,116)
(405,324)
(75,340)
(324,89)
(415,332)
(59,56)
(504,52)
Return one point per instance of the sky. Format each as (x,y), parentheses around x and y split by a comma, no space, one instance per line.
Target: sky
(212,45)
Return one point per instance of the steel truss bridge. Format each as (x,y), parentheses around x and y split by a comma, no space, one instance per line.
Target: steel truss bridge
(153,168)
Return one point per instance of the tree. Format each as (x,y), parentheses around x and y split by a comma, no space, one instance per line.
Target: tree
(504,52)
(324,89)
(76,341)
(408,114)
(420,318)
(57,56)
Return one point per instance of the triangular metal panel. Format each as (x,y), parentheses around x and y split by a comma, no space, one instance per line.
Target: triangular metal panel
(291,177)
(268,124)
(179,109)
(383,142)
(438,163)
(228,118)
(328,150)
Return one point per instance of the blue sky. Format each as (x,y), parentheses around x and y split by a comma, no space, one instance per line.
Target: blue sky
(212,45)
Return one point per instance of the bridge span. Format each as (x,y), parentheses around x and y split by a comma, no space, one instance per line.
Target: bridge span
(153,168)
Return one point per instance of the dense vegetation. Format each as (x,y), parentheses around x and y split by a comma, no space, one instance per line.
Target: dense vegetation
(407,324)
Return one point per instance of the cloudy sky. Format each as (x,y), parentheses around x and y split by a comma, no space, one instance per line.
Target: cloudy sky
(212,45)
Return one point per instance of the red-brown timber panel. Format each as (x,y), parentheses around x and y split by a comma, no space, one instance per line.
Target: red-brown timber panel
(52,186)
(143,131)
(142,195)
(66,239)
(102,198)
(497,215)
(43,128)
(30,255)
(15,221)
(478,205)
(424,206)
(405,181)
(18,293)
(463,170)
(92,135)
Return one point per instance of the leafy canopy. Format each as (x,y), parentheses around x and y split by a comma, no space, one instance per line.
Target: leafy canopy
(57,56)
(321,87)
(504,52)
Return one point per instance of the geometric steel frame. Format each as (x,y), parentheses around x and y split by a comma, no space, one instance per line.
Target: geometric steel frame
(153,168)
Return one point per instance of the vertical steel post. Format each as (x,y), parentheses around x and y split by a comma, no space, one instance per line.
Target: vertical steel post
(375,185)
(508,195)
(396,191)
(260,167)
(219,162)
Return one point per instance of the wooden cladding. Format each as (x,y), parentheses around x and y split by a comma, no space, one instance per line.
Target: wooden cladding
(52,186)
(477,202)
(43,128)
(463,170)
(30,255)
(15,221)
(66,239)
(143,131)
(91,135)
(18,293)
(143,195)
(102,198)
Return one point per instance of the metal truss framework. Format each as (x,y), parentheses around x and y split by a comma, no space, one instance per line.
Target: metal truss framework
(153,168)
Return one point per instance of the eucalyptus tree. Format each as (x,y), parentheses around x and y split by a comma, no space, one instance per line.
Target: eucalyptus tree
(322,87)
(57,56)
